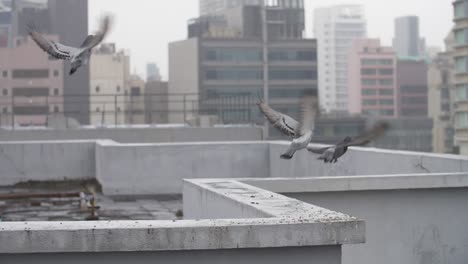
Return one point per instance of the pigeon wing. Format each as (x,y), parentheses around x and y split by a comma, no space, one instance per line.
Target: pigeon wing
(308,112)
(94,40)
(55,49)
(317,150)
(378,130)
(284,123)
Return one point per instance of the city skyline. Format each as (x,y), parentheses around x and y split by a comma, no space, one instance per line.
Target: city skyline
(150,44)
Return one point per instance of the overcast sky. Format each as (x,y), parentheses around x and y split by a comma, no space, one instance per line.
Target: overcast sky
(145,27)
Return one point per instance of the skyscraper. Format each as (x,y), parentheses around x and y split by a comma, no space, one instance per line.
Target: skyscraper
(152,72)
(69,20)
(407,42)
(335,29)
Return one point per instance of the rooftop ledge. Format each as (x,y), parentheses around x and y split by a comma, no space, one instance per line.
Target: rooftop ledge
(281,222)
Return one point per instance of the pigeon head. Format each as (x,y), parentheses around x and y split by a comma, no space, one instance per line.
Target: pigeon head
(347,139)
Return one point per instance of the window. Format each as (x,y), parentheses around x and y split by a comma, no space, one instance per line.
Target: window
(385,62)
(233,74)
(368,82)
(98,109)
(369,102)
(413,89)
(30,91)
(5,92)
(118,109)
(368,71)
(292,55)
(56,109)
(31,110)
(386,71)
(369,92)
(461,92)
(97,89)
(135,91)
(386,82)
(233,54)
(5,110)
(461,64)
(5,74)
(414,100)
(368,61)
(56,91)
(386,101)
(30,74)
(284,74)
(386,92)
(118,88)
(461,120)
(461,9)
(56,73)
(387,112)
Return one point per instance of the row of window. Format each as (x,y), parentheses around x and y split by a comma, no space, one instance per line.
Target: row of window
(375,71)
(383,82)
(374,91)
(30,91)
(413,89)
(371,102)
(256,54)
(414,100)
(256,74)
(30,74)
(378,112)
(376,61)
(97,89)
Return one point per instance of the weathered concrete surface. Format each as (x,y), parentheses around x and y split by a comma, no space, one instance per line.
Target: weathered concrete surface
(409,219)
(160,168)
(46,161)
(145,134)
(363,161)
(291,224)
(300,255)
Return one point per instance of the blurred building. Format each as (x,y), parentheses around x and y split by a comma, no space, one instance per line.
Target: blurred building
(31,84)
(209,7)
(156,102)
(372,79)
(110,74)
(440,78)
(412,89)
(5,24)
(152,72)
(460,55)
(335,28)
(135,101)
(407,41)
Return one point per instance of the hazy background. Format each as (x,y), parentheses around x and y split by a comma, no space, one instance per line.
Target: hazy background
(146,27)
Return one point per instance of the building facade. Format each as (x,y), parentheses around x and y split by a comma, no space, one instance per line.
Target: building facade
(412,91)
(215,68)
(460,56)
(110,73)
(372,79)
(335,29)
(407,41)
(156,102)
(31,85)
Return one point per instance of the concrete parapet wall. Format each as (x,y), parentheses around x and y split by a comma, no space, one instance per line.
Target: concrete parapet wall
(127,169)
(409,218)
(146,134)
(46,161)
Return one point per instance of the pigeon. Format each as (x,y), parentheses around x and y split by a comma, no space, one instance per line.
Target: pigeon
(332,153)
(77,56)
(301,133)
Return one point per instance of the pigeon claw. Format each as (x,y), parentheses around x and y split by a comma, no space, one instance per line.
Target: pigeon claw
(286,156)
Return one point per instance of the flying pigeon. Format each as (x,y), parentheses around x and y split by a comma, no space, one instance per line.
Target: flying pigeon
(76,56)
(332,153)
(301,133)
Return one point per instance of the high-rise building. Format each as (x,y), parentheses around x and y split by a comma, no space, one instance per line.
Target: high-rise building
(335,28)
(412,88)
(69,20)
(210,7)
(440,78)
(109,74)
(407,41)
(460,55)
(372,79)
(31,85)
(152,72)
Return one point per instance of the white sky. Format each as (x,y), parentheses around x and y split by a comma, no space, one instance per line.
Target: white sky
(145,27)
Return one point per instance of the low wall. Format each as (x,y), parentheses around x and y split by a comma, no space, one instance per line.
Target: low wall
(145,169)
(409,218)
(362,161)
(286,227)
(46,161)
(145,134)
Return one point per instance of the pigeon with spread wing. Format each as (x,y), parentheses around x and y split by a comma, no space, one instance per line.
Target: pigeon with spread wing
(301,133)
(332,153)
(77,56)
